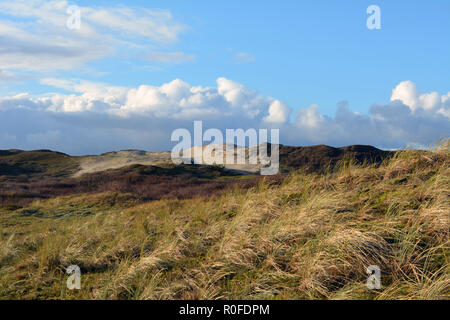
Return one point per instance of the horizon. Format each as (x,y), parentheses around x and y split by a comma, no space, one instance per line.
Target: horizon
(224,144)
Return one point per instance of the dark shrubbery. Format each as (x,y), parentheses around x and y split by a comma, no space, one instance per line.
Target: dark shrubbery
(147,182)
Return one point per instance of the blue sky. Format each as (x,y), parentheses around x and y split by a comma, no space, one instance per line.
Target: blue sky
(302,53)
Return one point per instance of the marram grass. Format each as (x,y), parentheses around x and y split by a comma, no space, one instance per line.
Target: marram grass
(312,237)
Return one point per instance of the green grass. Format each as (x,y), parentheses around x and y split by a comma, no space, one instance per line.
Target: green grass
(40,163)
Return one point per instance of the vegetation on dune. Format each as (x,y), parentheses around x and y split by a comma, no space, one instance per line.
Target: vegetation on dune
(145,182)
(39,163)
(323,158)
(42,174)
(310,237)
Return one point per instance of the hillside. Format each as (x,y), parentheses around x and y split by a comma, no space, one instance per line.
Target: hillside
(47,163)
(38,163)
(29,175)
(322,158)
(310,236)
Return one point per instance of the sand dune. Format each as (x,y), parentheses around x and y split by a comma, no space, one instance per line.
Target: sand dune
(115,160)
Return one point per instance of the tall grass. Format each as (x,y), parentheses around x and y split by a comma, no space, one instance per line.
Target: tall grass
(310,237)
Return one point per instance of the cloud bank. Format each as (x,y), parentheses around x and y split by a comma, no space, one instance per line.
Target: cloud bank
(97,118)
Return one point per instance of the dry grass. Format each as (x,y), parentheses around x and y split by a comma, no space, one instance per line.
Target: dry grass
(312,237)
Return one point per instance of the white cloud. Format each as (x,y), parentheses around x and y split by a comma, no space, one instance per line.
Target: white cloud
(410,118)
(310,117)
(176,100)
(96,117)
(35,37)
(156,25)
(407,93)
(278,112)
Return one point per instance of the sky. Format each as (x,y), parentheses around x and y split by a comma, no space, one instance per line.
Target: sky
(132,72)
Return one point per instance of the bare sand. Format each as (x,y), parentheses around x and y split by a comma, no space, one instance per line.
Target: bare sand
(119,159)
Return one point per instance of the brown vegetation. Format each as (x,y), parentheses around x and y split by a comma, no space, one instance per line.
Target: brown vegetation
(146,182)
(310,237)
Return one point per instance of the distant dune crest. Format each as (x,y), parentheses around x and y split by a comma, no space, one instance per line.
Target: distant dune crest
(312,158)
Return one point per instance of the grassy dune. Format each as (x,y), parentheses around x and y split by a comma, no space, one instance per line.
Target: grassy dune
(312,237)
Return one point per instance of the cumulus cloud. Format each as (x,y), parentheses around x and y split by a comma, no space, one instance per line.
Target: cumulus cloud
(174,100)
(96,117)
(310,117)
(408,93)
(278,112)
(409,118)
(34,34)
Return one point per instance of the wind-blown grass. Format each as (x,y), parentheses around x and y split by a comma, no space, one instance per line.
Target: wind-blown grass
(312,237)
